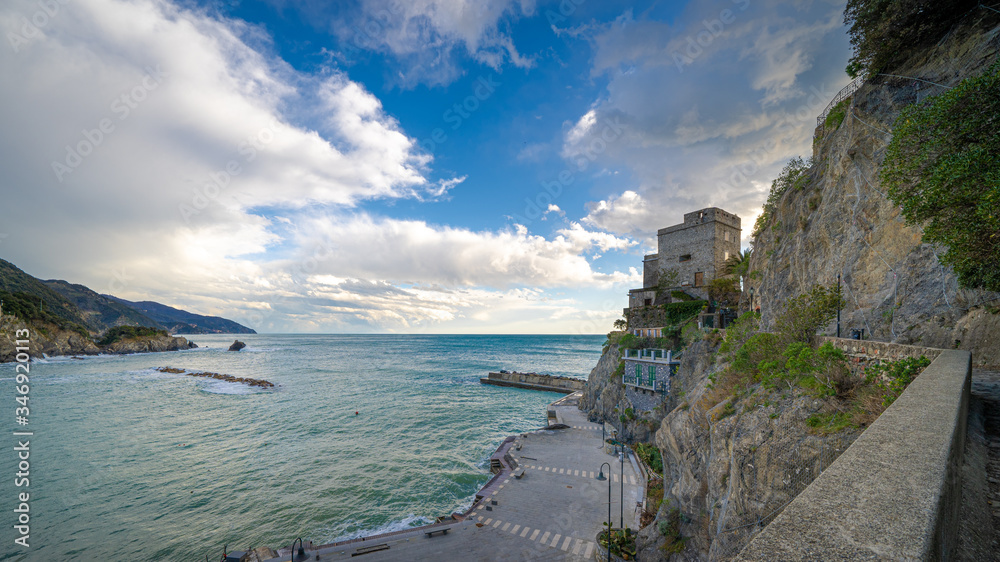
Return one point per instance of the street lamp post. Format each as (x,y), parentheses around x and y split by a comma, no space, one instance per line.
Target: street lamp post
(621,489)
(608,478)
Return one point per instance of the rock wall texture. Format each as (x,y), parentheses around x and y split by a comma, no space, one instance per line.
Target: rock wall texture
(841,222)
(731,466)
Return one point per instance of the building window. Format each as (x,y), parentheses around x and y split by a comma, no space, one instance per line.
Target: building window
(727,236)
(686,257)
(647,302)
(727,256)
(699,278)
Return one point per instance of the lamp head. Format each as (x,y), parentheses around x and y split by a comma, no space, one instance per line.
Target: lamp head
(601,476)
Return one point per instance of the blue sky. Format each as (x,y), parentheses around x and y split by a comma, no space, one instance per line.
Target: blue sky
(443,166)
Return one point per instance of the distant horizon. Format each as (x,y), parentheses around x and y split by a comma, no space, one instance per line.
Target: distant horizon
(370,166)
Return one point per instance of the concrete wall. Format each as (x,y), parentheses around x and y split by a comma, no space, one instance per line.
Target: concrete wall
(895,493)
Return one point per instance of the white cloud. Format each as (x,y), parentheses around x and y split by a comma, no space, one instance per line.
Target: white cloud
(710,106)
(415,252)
(423,34)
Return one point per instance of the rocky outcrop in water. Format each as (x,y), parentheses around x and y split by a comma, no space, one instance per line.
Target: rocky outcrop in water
(48,340)
(51,341)
(147,345)
(237,345)
(219,376)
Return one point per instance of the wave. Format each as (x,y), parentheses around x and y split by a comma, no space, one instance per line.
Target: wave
(408,522)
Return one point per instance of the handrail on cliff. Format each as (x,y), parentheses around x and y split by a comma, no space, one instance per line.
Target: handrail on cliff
(843,94)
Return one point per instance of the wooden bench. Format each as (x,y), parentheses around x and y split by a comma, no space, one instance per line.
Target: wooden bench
(442,530)
(519,473)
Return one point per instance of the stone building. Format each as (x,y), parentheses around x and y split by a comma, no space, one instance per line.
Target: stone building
(692,253)
(646,376)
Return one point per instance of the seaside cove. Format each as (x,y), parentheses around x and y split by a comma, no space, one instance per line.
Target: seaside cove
(174,467)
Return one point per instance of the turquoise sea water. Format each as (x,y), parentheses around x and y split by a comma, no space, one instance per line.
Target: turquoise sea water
(128,463)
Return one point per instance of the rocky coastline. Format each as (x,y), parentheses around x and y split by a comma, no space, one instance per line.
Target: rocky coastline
(51,341)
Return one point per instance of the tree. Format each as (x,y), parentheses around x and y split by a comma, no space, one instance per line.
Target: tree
(884,32)
(725,291)
(806,313)
(738,264)
(943,168)
(794,174)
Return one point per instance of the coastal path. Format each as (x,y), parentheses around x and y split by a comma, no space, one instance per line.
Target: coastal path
(552,512)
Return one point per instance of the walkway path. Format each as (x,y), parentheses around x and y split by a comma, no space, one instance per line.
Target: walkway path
(553,512)
(986,387)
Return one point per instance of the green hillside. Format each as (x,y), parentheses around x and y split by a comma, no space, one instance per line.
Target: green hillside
(30,299)
(99,311)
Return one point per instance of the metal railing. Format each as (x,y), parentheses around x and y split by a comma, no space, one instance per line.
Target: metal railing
(843,94)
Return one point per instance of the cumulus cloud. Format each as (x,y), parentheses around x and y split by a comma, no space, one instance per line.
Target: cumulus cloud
(412,251)
(709,106)
(159,152)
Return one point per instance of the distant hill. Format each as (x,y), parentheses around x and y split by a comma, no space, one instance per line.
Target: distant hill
(183,322)
(101,312)
(52,306)
(77,307)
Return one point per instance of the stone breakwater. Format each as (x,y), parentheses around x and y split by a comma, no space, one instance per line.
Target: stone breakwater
(228,378)
(535,381)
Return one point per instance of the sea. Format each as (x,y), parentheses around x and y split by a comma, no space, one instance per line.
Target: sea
(362,434)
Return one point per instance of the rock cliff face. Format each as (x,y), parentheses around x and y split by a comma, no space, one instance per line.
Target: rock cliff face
(731,466)
(51,341)
(841,222)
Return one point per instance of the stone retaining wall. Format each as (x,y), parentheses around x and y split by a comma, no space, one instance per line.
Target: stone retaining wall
(895,493)
(862,353)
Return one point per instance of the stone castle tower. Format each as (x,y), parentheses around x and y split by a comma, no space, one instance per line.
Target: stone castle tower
(693,253)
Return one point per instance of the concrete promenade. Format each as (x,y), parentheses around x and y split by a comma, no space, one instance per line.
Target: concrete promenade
(553,512)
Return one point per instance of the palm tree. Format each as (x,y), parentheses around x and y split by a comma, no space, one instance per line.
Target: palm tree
(738,264)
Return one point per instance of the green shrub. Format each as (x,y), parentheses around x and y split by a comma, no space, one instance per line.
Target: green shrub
(892,377)
(943,168)
(806,313)
(679,312)
(681,296)
(30,308)
(622,541)
(829,423)
(724,291)
(739,331)
(670,528)
(837,114)
(651,456)
(793,174)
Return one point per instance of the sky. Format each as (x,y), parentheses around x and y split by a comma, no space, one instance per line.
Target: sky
(421,166)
